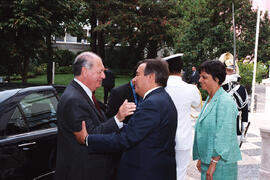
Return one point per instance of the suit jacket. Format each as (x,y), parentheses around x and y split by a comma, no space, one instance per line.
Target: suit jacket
(148,140)
(194,77)
(109,79)
(73,160)
(116,99)
(184,96)
(215,130)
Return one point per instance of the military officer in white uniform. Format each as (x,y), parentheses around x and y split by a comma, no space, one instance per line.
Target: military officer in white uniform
(185,96)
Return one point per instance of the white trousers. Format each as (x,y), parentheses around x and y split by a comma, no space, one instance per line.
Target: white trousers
(183,158)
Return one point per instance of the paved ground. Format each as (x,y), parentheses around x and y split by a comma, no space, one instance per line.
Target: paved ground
(248,167)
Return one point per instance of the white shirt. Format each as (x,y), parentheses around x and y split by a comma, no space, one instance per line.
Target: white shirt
(150,91)
(184,96)
(89,93)
(85,88)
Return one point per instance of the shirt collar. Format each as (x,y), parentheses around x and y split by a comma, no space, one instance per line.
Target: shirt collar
(174,77)
(150,91)
(85,88)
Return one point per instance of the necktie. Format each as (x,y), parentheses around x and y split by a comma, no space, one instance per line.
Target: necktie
(95,102)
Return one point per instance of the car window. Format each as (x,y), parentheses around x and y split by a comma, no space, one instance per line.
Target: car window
(16,124)
(35,112)
(40,110)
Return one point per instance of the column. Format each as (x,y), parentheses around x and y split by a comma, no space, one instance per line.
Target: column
(265,157)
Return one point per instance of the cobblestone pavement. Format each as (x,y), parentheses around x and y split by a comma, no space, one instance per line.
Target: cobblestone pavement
(248,167)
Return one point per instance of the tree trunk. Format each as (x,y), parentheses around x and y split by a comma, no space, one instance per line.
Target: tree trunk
(24,71)
(101,45)
(152,49)
(93,22)
(49,58)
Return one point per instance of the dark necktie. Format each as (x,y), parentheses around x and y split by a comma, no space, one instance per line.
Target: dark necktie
(95,102)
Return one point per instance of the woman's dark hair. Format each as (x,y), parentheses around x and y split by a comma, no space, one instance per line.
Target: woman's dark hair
(159,68)
(215,68)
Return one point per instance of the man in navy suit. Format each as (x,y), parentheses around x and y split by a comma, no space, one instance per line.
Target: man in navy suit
(148,140)
(194,77)
(117,96)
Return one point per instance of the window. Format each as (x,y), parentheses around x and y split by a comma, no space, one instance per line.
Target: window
(16,125)
(40,110)
(34,112)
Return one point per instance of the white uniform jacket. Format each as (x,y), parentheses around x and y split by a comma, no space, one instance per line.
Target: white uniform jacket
(184,96)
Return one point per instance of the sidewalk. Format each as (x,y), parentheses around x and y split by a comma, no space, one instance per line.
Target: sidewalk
(248,167)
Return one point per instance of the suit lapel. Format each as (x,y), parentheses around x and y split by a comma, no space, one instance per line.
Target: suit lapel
(92,105)
(210,106)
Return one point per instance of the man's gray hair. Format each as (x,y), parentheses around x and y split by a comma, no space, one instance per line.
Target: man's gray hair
(85,59)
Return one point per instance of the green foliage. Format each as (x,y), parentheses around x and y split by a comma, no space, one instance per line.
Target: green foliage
(122,59)
(204,94)
(26,29)
(205,31)
(63,69)
(63,57)
(40,69)
(142,24)
(246,73)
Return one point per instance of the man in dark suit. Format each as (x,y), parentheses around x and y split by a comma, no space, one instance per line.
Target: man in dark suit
(108,83)
(194,77)
(78,104)
(148,139)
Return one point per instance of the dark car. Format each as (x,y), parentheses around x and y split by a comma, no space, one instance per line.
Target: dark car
(28,133)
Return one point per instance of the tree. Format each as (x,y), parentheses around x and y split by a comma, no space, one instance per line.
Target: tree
(19,31)
(29,26)
(55,17)
(206,30)
(141,24)
(264,40)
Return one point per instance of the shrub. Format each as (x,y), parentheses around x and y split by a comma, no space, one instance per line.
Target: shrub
(63,69)
(246,73)
(64,57)
(204,94)
(40,69)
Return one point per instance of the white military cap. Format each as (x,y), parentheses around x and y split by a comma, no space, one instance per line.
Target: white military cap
(227,59)
(174,56)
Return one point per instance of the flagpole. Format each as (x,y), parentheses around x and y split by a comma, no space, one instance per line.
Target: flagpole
(255,59)
(234,41)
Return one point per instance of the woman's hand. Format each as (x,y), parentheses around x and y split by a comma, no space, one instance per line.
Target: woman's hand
(199,165)
(210,171)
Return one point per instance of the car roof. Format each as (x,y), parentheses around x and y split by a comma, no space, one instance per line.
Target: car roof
(7,94)
(4,95)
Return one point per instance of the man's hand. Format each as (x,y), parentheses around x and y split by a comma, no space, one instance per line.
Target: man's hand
(126,109)
(81,135)
(210,171)
(199,165)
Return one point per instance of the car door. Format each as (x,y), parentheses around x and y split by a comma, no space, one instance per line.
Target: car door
(41,121)
(27,150)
